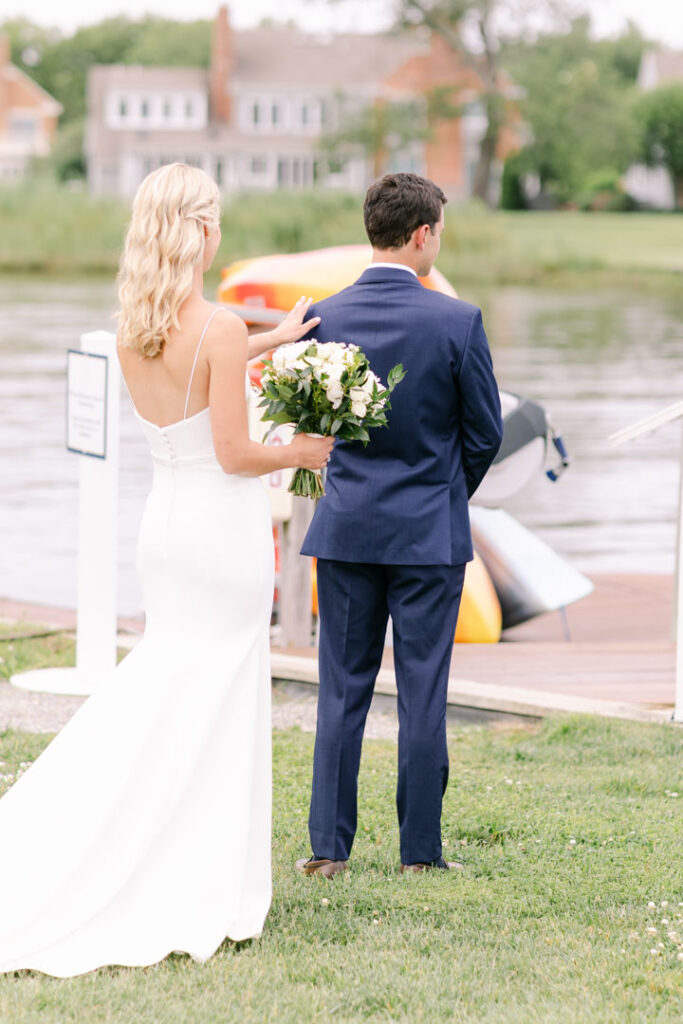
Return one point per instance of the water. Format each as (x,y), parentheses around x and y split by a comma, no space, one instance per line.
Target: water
(596,360)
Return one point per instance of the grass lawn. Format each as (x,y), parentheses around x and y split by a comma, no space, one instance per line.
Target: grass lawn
(569,904)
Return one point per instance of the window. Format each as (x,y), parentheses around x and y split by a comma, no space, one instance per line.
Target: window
(23,126)
(255,114)
(275,114)
(189,109)
(218,175)
(167,109)
(123,108)
(259,165)
(144,108)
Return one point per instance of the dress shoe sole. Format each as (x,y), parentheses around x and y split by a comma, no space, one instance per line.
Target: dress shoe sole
(326,868)
(418,869)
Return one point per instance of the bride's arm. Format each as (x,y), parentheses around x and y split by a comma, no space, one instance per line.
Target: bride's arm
(226,353)
(290,329)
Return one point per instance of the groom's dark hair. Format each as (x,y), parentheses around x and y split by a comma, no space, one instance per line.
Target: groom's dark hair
(398,204)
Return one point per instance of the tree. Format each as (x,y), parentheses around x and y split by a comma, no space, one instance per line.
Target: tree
(60,64)
(660,116)
(475,31)
(577,106)
(447,19)
(381,130)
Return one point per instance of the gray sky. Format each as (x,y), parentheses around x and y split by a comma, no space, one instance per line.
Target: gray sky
(659,19)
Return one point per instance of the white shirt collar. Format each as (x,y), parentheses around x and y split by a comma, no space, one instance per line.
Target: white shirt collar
(393,266)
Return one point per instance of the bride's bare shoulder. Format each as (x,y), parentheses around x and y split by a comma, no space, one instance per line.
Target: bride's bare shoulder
(224,325)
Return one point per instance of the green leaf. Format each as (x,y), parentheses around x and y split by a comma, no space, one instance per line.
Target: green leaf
(335,426)
(395,376)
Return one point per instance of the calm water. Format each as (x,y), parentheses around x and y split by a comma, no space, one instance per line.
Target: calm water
(596,360)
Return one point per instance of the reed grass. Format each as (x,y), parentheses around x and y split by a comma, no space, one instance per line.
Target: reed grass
(48,229)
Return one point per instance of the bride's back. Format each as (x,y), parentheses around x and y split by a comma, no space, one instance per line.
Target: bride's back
(158,385)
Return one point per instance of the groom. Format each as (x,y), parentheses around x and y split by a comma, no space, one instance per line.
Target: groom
(392,533)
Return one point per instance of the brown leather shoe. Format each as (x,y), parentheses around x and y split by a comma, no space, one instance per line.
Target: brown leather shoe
(441,864)
(327,868)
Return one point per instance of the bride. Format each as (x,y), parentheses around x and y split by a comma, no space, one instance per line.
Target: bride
(144,828)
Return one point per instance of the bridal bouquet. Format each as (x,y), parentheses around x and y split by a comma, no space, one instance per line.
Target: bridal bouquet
(324,389)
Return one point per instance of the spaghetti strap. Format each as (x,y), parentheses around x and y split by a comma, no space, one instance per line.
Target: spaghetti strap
(196,356)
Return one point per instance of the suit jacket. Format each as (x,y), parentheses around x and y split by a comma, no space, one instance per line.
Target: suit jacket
(402,500)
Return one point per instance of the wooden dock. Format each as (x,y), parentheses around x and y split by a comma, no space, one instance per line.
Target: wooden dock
(619,658)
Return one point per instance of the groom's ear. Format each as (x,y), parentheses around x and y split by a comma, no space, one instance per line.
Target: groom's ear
(420,235)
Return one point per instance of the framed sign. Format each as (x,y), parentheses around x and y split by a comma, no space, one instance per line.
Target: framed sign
(86,403)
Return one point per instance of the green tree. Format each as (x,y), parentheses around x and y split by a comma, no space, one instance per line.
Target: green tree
(60,64)
(475,31)
(660,116)
(577,106)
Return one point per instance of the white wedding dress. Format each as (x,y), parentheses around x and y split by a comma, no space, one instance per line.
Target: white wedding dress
(144,828)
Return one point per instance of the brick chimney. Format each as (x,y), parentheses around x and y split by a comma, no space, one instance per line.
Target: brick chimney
(221,67)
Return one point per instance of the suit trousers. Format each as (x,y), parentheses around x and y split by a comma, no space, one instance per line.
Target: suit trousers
(355,601)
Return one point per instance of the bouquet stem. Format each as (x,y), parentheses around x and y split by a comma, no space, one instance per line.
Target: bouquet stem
(307,484)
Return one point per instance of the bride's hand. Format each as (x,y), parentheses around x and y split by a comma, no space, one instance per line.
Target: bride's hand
(311,452)
(293,327)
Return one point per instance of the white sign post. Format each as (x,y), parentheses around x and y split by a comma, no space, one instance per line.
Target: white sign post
(93,407)
(636,430)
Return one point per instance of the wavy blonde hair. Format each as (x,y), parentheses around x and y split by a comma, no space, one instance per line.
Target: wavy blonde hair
(164,244)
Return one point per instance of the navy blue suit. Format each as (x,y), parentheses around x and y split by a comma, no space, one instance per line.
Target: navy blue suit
(392,537)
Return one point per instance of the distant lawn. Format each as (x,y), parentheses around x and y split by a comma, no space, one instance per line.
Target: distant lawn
(569,905)
(47,229)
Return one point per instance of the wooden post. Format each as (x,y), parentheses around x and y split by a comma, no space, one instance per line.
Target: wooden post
(296,617)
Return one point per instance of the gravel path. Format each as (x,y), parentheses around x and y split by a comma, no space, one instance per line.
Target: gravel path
(294,705)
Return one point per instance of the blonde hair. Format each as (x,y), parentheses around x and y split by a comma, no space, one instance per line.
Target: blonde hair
(164,244)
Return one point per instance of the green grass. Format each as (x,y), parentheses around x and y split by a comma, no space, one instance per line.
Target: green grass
(566,830)
(49,229)
(18,655)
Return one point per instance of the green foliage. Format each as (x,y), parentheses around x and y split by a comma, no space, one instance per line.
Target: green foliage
(577,106)
(602,190)
(512,195)
(49,229)
(60,64)
(382,131)
(660,116)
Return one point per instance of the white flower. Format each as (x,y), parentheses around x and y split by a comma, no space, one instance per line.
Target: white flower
(359,409)
(664,903)
(650,931)
(335,393)
(651,905)
(334,371)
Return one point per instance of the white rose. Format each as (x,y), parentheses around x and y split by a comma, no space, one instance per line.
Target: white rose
(333,370)
(359,409)
(279,360)
(335,393)
(358,395)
